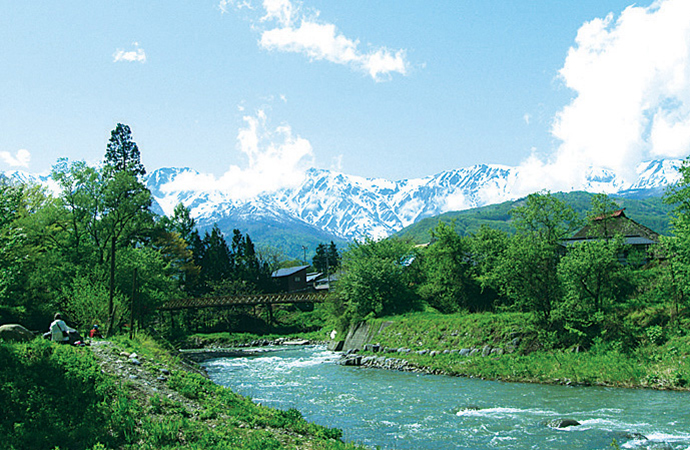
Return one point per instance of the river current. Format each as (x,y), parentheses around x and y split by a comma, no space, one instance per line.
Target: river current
(401,410)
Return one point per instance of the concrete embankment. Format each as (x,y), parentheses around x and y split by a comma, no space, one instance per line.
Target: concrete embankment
(362,338)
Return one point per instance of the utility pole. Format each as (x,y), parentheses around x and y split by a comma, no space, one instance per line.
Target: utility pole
(131,313)
(304,248)
(111,315)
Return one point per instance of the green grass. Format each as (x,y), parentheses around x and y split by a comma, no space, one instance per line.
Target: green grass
(664,366)
(57,396)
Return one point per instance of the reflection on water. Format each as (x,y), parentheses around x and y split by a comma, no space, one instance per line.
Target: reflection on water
(399,410)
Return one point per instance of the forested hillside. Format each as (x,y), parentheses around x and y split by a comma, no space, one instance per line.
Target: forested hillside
(98,254)
(650,211)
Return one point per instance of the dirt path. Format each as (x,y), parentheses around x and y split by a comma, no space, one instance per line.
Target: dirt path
(145,378)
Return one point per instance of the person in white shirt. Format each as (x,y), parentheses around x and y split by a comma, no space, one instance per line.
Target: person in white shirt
(59,331)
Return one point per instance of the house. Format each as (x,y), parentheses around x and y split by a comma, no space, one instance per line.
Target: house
(325,283)
(292,279)
(635,235)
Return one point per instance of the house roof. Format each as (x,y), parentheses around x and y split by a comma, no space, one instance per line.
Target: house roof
(616,223)
(619,213)
(628,240)
(287,272)
(313,276)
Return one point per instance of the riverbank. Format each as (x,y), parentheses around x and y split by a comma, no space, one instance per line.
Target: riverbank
(504,347)
(127,394)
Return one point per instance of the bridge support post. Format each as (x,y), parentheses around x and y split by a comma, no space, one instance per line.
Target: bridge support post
(270,313)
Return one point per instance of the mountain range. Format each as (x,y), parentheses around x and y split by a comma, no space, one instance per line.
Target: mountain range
(350,207)
(328,205)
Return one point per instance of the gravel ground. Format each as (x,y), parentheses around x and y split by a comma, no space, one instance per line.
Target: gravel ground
(145,378)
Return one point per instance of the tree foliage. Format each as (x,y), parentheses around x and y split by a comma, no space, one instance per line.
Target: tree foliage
(122,153)
(449,270)
(379,279)
(326,259)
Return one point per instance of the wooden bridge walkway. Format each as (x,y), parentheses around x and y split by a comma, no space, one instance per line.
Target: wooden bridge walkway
(243,300)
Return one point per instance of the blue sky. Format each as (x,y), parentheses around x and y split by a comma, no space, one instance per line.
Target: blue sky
(251,92)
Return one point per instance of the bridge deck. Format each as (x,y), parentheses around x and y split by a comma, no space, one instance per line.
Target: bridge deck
(243,300)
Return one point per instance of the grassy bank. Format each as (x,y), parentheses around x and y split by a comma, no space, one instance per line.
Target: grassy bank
(227,339)
(56,396)
(665,366)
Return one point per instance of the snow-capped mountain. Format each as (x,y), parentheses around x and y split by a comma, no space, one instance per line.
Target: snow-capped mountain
(329,204)
(351,207)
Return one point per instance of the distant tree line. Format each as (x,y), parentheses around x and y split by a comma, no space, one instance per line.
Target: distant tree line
(77,252)
(588,292)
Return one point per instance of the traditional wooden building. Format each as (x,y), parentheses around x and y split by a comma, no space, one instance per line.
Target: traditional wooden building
(292,279)
(634,234)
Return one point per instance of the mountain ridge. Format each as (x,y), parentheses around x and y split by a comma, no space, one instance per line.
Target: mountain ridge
(351,207)
(329,205)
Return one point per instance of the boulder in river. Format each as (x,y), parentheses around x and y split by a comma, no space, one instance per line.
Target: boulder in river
(563,423)
(351,360)
(469,407)
(335,346)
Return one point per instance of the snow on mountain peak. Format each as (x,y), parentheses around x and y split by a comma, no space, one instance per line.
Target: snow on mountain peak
(351,207)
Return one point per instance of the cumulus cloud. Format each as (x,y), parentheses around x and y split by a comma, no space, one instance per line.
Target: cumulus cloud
(136,55)
(21,159)
(276,159)
(286,27)
(631,79)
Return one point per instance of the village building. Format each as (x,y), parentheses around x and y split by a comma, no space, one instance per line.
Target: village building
(634,235)
(292,279)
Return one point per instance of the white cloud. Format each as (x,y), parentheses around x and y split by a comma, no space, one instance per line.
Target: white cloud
(21,159)
(276,159)
(337,163)
(631,78)
(286,27)
(136,55)
(224,4)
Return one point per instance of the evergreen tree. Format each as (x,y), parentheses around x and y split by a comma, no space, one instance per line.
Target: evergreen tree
(319,261)
(122,153)
(326,259)
(215,260)
(333,257)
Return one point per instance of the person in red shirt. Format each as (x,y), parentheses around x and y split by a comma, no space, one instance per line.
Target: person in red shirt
(95,332)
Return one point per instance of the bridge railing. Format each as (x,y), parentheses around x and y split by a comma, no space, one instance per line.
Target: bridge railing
(243,300)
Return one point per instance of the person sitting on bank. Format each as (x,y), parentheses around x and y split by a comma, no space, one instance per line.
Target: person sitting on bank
(59,331)
(95,332)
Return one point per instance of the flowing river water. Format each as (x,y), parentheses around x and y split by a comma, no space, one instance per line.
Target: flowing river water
(402,410)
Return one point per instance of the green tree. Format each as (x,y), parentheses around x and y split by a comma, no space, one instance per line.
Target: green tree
(546,218)
(10,239)
(677,247)
(333,257)
(122,153)
(320,259)
(379,279)
(215,261)
(182,223)
(448,270)
(601,216)
(594,281)
(326,258)
(527,271)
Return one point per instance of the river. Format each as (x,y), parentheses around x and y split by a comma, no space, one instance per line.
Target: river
(401,410)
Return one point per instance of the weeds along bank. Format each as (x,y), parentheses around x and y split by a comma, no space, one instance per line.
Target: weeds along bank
(505,346)
(56,396)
